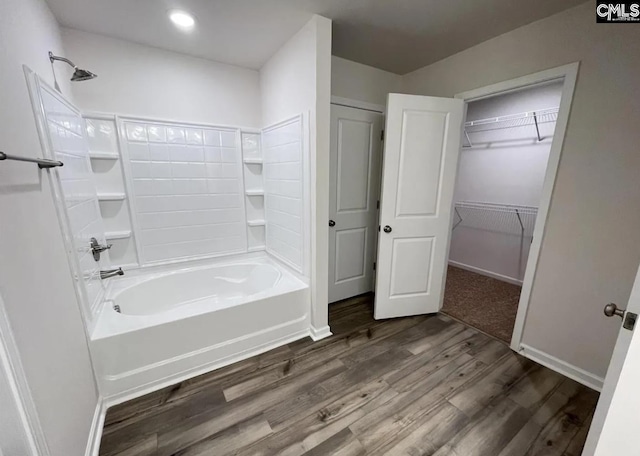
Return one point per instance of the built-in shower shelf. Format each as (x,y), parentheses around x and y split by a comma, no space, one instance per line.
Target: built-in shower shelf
(254,192)
(255,222)
(104,155)
(111,196)
(253,161)
(122,234)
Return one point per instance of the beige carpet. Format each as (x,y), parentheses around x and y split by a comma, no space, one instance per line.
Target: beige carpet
(482,302)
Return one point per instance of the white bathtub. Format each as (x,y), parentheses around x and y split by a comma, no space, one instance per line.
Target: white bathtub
(176,322)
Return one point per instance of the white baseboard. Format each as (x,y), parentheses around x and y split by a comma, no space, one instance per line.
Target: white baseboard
(562,367)
(320,333)
(119,397)
(487,273)
(97,424)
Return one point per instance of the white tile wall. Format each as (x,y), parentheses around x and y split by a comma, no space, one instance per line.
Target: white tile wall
(69,143)
(282,152)
(187,190)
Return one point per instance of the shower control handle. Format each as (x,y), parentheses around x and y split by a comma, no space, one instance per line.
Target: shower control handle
(387,229)
(332,223)
(97,248)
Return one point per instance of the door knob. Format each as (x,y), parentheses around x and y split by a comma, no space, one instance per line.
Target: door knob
(611,309)
(332,223)
(387,229)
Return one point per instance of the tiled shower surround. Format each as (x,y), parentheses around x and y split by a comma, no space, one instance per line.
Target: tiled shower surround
(78,193)
(284,192)
(187,190)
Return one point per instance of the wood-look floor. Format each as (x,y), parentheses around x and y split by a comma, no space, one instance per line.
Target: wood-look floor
(412,386)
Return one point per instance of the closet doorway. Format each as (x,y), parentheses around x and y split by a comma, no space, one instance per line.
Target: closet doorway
(502,167)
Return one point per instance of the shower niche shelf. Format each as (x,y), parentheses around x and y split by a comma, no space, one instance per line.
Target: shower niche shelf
(114,196)
(104,155)
(122,234)
(104,152)
(254,191)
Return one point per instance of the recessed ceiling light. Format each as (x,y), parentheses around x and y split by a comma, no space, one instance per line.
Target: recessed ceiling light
(182,19)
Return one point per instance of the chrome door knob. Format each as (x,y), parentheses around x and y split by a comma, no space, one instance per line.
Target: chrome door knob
(611,309)
(332,223)
(387,229)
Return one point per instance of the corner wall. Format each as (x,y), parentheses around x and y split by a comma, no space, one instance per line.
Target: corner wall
(591,249)
(35,279)
(297,80)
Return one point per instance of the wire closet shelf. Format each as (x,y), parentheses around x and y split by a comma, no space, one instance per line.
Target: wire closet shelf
(504,218)
(519,120)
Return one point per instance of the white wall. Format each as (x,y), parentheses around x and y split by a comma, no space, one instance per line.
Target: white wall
(362,82)
(288,79)
(144,81)
(505,166)
(590,251)
(297,80)
(35,280)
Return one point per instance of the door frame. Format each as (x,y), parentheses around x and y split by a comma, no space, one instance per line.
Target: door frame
(568,73)
(13,377)
(351,103)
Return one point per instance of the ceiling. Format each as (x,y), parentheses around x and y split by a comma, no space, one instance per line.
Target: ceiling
(394,35)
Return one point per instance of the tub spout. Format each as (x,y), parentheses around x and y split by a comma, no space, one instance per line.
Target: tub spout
(111,273)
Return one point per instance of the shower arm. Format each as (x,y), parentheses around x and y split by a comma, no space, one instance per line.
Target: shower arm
(53,58)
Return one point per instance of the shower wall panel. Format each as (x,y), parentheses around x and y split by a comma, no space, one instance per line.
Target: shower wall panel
(187,190)
(284,191)
(68,143)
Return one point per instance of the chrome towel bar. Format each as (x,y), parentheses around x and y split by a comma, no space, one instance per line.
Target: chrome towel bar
(43,163)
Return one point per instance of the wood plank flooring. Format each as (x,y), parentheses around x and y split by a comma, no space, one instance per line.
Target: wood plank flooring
(423,385)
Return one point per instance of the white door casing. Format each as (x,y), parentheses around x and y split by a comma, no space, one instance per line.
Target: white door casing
(616,417)
(354,190)
(422,145)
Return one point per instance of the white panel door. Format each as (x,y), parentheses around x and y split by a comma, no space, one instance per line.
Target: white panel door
(615,421)
(421,151)
(356,146)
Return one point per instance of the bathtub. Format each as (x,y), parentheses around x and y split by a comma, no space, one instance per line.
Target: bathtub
(162,325)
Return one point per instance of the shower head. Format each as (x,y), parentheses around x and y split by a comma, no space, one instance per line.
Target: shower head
(78,73)
(82,75)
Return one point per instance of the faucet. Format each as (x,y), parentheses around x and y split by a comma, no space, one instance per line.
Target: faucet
(111,273)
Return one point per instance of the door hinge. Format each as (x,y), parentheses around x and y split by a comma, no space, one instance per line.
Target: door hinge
(378,228)
(374,265)
(378,205)
(382,135)
(630,321)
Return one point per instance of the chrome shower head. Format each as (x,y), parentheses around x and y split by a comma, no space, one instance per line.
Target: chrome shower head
(78,73)
(82,75)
